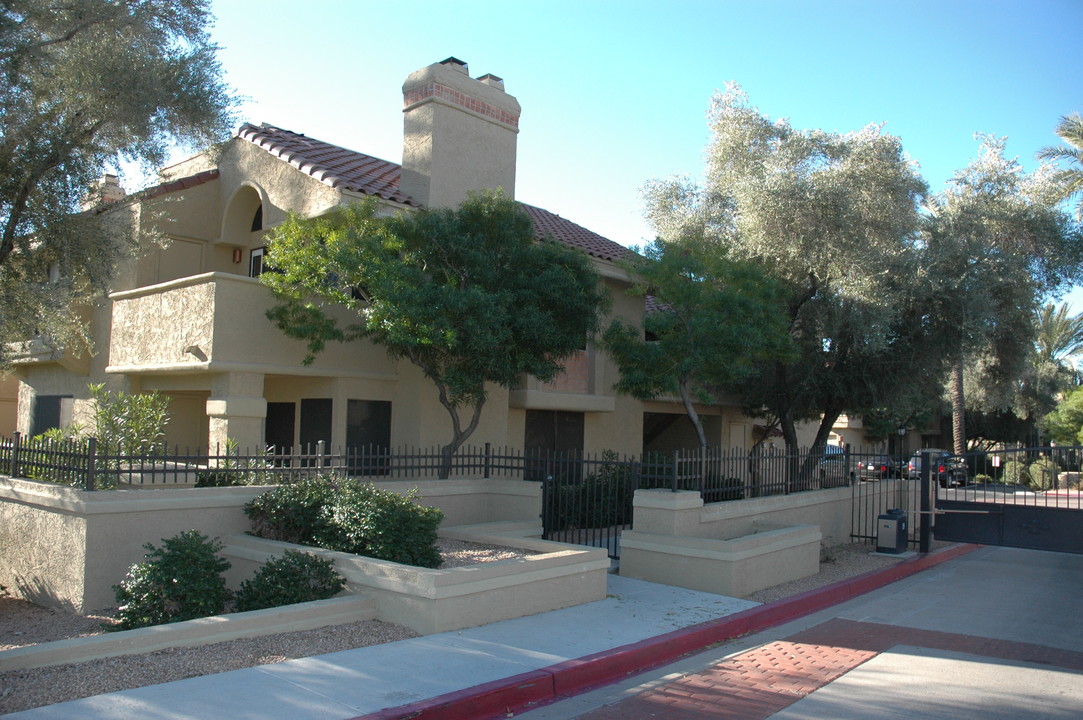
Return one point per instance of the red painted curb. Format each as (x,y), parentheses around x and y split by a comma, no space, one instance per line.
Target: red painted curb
(501,698)
(491,699)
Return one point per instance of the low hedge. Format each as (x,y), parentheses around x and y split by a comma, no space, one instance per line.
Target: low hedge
(349,516)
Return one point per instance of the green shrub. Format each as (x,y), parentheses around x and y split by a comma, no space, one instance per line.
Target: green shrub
(129,422)
(219,478)
(1015,472)
(182,580)
(365,520)
(601,499)
(983,479)
(292,513)
(1043,474)
(349,516)
(295,577)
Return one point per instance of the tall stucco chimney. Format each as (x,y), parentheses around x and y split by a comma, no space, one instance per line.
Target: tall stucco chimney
(458,134)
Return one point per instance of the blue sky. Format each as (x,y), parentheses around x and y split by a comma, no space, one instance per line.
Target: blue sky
(615,94)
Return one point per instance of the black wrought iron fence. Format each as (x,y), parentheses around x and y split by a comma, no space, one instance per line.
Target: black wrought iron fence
(1048,476)
(719,475)
(92,466)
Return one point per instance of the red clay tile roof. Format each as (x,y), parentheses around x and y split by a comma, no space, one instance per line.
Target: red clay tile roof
(574,236)
(357,172)
(330,164)
(179,184)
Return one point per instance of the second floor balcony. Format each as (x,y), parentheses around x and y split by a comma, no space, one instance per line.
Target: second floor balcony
(217,322)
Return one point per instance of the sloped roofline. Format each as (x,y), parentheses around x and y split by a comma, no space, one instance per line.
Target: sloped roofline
(353,171)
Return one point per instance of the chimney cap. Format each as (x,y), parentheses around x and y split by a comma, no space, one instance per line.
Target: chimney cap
(455,63)
(492,81)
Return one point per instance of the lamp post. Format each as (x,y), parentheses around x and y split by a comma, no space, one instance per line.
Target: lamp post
(901,448)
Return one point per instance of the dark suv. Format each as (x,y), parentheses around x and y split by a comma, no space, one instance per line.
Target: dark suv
(948,469)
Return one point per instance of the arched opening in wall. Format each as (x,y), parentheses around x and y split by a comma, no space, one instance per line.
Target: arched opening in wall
(243,229)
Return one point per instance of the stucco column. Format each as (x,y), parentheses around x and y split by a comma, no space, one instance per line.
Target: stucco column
(237,411)
(666,512)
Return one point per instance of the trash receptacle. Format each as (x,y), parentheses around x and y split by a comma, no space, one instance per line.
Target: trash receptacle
(891,535)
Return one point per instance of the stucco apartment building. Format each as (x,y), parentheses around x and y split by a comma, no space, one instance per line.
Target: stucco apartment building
(188,318)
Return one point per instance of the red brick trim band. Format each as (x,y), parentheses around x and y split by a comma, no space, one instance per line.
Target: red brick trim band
(433,90)
(499,698)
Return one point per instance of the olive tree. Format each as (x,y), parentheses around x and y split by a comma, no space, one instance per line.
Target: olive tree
(834,219)
(995,244)
(86,84)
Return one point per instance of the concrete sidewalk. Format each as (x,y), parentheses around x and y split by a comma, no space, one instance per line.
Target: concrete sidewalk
(993,635)
(512,666)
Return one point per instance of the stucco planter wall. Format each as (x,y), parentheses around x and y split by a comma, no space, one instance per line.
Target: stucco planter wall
(430,601)
(66,548)
(203,631)
(739,547)
(769,555)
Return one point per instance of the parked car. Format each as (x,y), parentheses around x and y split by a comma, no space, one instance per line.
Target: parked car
(879,467)
(834,467)
(948,469)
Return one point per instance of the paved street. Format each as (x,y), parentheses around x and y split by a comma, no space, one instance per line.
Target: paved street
(990,635)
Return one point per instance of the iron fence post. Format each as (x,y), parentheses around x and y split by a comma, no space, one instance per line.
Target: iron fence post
(488,460)
(927,504)
(91,456)
(15,454)
(674,476)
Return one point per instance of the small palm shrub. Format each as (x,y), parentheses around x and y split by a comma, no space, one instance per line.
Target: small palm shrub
(181,580)
(129,422)
(293,578)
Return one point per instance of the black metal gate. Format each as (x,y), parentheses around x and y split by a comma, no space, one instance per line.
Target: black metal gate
(587,501)
(1026,498)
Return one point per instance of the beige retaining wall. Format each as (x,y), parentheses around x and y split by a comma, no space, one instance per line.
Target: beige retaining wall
(66,548)
(204,631)
(431,601)
(427,601)
(738,547)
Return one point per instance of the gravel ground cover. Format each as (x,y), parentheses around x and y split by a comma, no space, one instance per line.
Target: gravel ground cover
(24,624)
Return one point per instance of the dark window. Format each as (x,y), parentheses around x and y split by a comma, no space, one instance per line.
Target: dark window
(278,428)
(257,219)
(255,262)
(315,423)
(46,413)
(368,436)
(553,436)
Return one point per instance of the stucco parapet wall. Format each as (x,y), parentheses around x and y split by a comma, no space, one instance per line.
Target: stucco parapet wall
(265,368)
(102,502)
(714,512)
(543,400)
(189,281)
(661,499)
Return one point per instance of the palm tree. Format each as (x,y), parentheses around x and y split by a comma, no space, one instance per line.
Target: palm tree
(1070,131)
(1058,341)
(1059,335)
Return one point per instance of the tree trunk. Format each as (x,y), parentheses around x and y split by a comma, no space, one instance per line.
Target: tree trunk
(693,415)
(459,434)
(958,409)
